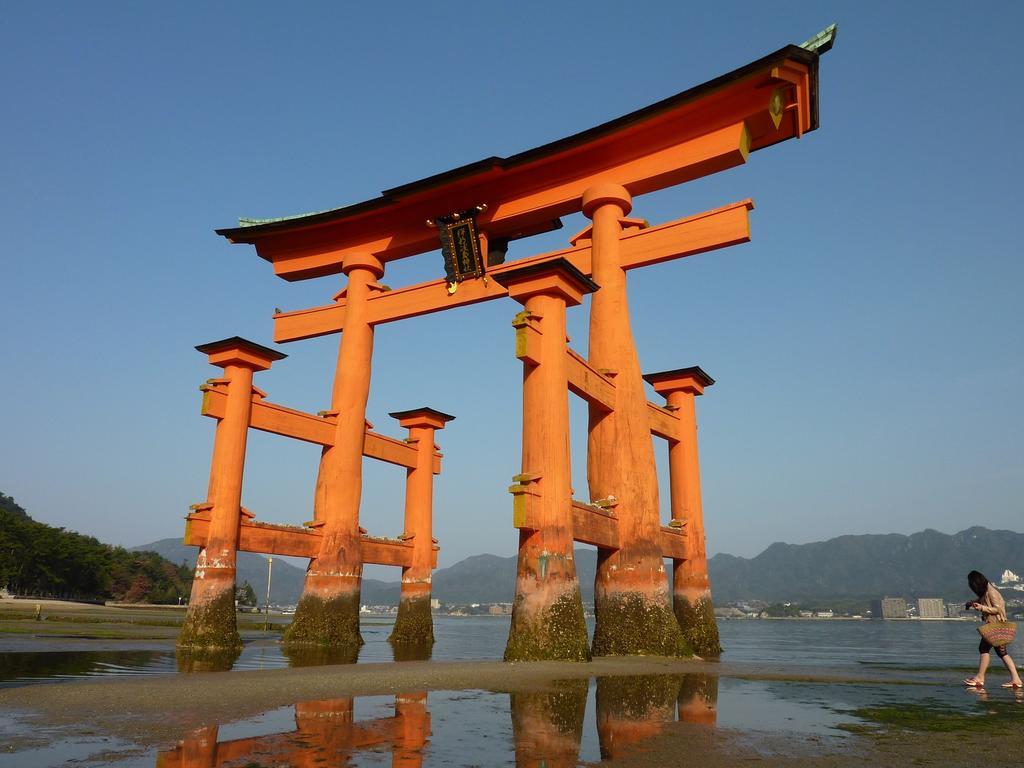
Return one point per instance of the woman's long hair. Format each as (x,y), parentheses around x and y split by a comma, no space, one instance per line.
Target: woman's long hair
(978,583)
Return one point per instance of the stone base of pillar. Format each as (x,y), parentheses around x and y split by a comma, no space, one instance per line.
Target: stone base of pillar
(696,616)
(550,630)
(210,621)
(637,624)
(328,621)
(414,623)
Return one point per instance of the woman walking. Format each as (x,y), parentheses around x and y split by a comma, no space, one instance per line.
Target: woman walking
(993,610)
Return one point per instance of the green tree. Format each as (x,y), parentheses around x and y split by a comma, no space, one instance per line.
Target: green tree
(245,595)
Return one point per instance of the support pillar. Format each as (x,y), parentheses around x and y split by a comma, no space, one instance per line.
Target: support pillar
(547,615)
(691,587)
(414,623)
(210,620)
(328,611)
(631,600)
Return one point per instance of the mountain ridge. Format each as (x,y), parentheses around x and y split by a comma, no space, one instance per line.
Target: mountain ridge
(928,563)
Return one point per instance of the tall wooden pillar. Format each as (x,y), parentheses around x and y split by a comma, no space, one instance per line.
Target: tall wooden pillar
(210,620)
(691,586)
(414,623)
(328,611)
(547,616)
(631,600)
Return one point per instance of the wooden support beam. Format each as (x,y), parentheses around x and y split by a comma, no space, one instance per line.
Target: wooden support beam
(718,228)
(294,541)
(664,423)
(592,524)
(279,420)
(673,543)
(587,382)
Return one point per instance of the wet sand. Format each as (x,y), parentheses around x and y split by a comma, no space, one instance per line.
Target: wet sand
(156,710)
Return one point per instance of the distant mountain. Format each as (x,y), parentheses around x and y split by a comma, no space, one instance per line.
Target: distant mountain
(925,564)
(286,582)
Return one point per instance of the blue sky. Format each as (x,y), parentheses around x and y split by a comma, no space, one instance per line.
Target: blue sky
(867,342)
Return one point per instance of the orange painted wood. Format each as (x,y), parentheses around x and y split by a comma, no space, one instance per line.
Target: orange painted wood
(696,133)
(600,527)
(587,382)
(272,539)
(710,230)
(279,420)
(594,525)
(673,543)
(664,423)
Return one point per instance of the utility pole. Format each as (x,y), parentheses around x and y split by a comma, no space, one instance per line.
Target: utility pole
(266,605)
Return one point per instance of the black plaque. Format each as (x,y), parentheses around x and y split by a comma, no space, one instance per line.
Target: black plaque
(460,247)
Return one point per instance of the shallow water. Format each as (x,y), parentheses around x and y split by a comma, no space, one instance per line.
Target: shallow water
(575,721)
(866,645)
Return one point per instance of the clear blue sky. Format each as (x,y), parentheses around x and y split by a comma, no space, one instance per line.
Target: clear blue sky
(867,344)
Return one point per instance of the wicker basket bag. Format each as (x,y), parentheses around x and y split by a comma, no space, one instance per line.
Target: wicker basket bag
(997,633)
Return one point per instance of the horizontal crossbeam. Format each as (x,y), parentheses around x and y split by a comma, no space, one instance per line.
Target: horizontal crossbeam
(592,524)
(589,383)
(664,423)
(279,420)
(272,539)
(706,231)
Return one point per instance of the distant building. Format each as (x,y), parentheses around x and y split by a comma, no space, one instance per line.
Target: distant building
(931,608)
(889,608)
(435,604)
(955,610)
(1009,577)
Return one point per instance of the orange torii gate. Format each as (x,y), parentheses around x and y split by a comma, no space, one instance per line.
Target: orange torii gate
(477,209)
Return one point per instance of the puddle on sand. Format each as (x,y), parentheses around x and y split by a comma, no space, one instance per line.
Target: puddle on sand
(572,721)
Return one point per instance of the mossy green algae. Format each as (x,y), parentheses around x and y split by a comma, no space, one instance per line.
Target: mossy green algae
(557,632)
(333,622)
(630,624)
(414,623)
(211,625)
(698,625)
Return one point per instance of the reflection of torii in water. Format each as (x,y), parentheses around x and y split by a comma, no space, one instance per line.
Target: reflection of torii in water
(325,734)
(547,726)
(479,208)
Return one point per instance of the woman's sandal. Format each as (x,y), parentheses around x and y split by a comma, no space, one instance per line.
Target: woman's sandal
(973,682)
(1015,686)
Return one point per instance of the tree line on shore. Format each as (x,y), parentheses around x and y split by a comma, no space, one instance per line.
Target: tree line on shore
(40,560)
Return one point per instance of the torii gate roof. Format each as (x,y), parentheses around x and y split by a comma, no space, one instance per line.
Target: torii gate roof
(702,130)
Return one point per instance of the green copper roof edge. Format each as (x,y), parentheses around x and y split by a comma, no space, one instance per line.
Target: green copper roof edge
(247,221)
(823,41)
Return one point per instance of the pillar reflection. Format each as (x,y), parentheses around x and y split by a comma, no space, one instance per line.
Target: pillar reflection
(325,733)
(547,725)
(633,709)
(698,699)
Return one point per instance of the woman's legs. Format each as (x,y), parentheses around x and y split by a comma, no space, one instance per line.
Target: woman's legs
(982,667)
(1008,661)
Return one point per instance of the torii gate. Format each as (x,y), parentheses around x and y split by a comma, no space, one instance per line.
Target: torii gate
(477,209)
